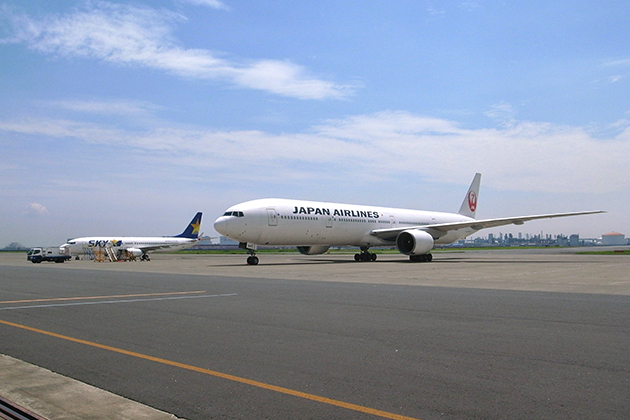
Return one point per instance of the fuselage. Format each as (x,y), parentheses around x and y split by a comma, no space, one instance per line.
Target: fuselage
(156,244)
(298,222)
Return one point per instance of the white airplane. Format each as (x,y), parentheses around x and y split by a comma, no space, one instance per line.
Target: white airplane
(316,226)
(138,246)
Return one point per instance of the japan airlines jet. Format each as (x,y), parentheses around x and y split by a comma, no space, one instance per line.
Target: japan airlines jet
(138,246)
(316,226)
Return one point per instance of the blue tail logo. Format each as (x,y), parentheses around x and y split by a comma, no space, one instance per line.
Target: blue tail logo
(192,231)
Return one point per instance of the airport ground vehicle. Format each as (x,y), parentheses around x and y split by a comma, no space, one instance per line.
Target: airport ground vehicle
(56,254)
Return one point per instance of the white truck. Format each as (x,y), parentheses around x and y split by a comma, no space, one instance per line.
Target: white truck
(58,255)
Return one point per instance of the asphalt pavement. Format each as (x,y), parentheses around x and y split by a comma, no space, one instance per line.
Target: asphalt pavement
(471,335)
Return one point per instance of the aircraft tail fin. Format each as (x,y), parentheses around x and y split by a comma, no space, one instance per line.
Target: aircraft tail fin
(469,205)
(192,231)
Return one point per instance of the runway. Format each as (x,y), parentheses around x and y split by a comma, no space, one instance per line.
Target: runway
(471,335)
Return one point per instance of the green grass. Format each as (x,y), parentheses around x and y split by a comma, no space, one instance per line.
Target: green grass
(617,252)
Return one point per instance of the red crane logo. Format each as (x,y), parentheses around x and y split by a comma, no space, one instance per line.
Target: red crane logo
(472,201)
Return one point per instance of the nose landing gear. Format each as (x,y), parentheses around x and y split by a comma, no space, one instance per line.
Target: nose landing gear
(251,250)
(252,259)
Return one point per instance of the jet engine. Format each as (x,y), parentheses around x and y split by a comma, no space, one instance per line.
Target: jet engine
(414,242)
(313,250)
(136,252)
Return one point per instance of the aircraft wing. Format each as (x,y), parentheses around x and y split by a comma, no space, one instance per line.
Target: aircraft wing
(439,229)
(147,248)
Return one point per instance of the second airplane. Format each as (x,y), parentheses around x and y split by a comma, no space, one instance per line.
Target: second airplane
(315,226)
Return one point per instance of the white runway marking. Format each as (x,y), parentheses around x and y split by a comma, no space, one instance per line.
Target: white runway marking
(115,301)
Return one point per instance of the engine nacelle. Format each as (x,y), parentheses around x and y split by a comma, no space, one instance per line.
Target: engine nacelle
(414,242)
(136,252)
(313,250)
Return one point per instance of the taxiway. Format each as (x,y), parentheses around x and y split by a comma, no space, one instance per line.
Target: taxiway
(471,335)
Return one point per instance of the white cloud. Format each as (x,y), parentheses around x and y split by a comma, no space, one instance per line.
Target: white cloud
(621,62)
(214,4)
(131,35)
(526,156)
(615,78)
(35,209)
(502,112)
(289,79)
(130,108)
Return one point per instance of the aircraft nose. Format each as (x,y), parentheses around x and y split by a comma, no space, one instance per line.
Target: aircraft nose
(220,225)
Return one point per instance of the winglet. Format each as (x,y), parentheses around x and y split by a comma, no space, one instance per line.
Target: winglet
(192,231)
(469,205)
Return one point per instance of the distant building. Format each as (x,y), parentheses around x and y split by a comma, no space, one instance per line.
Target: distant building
(613,238)
(226,241)
(15,246)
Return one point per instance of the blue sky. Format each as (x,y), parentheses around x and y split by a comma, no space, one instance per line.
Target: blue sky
(129,117)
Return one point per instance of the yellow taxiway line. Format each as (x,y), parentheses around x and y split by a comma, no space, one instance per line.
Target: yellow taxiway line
(287,391)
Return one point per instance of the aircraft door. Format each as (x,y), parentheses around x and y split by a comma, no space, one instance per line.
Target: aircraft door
(392,221)
(272,217)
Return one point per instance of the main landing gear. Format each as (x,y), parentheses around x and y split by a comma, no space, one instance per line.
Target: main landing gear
(365,255)
(421,258)
(252,259)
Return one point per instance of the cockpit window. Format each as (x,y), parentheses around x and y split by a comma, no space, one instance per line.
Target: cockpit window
(234,213)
